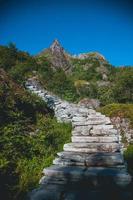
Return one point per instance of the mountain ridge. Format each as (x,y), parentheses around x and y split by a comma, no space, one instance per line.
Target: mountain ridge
(60,58)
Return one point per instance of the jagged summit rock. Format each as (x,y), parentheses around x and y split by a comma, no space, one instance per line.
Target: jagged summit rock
(56,46)
(57,56)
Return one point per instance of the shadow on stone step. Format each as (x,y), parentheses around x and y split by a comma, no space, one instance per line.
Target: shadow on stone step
(97,187)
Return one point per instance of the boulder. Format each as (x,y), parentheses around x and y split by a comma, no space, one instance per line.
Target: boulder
(90,103)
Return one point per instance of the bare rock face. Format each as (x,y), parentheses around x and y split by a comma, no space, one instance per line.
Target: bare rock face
(56,47)
(91,166)
(90,103)
(95,55)
(123,126)
(57,56)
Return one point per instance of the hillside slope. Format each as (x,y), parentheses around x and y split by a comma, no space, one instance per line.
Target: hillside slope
(57,56)
(87,75)
(29,138)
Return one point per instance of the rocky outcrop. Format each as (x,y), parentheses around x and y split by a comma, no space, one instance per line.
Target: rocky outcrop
(90,103)
(91,55)
(91,166)
(57,56)
(124,129)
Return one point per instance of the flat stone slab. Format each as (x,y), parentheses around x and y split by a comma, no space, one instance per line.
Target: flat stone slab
(100,131)
(92,147)
(96,129)
(89,163)
(103,126)
(96,139)
(90,122)
(111,158)
(99,154)
(92,175)
(79,119)
(98,117)
(94,159)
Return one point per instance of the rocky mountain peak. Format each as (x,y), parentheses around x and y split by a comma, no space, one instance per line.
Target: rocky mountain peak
(60,59)
(57,56)
(56,46)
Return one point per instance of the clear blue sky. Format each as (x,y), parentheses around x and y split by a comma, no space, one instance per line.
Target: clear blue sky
(80,26)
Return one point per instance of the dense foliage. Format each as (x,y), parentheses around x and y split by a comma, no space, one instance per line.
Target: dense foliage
(121,110)
(17,63)
(30,138)
(128,155)
(90,78)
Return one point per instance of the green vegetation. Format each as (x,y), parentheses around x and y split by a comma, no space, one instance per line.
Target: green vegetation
(121,110)
(30,138)
(116,89)
(128,155)
(58,82)
(17,63)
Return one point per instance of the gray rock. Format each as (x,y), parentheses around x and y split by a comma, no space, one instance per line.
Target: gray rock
(92,175)
(92,147)
(104,139)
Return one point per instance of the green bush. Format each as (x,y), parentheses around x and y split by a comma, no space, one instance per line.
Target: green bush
(123,87)
(58,83)
(121,110)
(23,156)
(128,155)
(29,138)
(105,95)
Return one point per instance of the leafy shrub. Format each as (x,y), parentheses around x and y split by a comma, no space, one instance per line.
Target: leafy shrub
(123,87)
(105,95)
(58,83)
(121,110)
(128,155)
(30,138)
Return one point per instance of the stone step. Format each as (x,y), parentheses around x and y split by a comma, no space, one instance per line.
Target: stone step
(97,117)
(103,126)
(96,158)
(86,132)
(101,161)
(94,176)
(91,122)
(80,115)
(79,119)
(94,130)
(83,109)
(92,147)
(91,111)
(97,123)
(95,139)
(59,190)
(100,131)
(68,154)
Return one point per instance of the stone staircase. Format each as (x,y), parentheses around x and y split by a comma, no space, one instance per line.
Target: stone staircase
(91,166)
